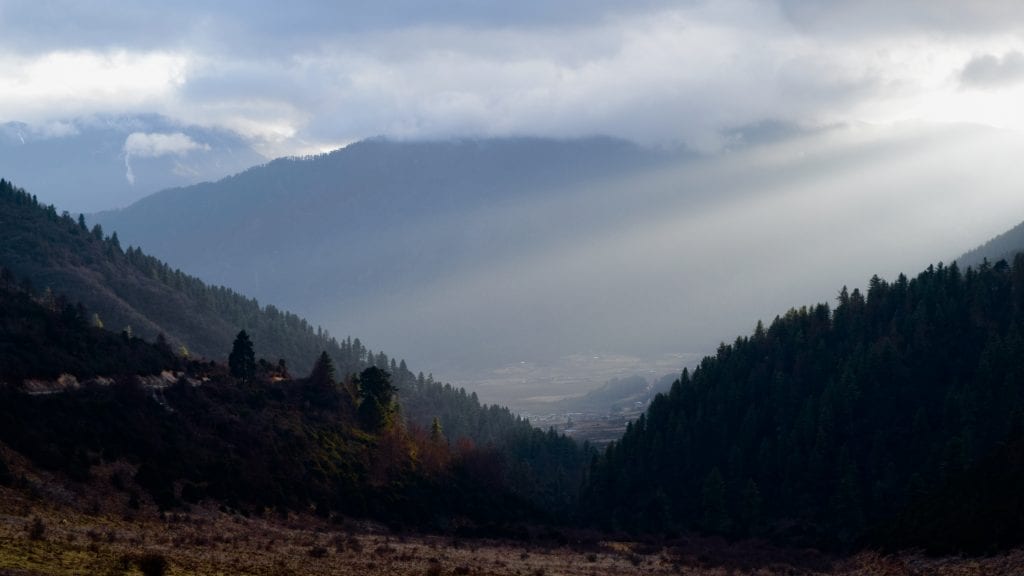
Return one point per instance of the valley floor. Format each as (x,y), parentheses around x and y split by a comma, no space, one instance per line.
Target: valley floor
(48,530)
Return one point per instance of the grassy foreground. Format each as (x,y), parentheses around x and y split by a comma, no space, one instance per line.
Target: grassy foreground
(49,528)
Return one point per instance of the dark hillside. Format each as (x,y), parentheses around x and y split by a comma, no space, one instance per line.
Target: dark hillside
(828,425)
(251,444)
(43,336)
(200,431)
(128,289)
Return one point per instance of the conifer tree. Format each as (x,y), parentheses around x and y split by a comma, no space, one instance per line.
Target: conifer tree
(323,371)
(377,398)
(436,432)
(242,361)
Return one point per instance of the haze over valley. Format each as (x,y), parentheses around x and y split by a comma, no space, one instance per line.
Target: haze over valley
(525,268)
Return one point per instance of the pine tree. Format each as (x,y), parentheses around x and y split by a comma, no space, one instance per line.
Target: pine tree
(716,518)
(242,361)
(377,399)
(436,432)
(323,371)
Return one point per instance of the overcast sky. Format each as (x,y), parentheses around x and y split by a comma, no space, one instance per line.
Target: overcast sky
(320,74)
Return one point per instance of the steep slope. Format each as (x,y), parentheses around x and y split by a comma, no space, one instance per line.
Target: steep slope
(361,195)
(261,443)
(829,425)
(1003,247)
(335,236)
(129,290)
(44,337)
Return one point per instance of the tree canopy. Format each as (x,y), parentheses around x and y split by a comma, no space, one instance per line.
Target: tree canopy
(833,426)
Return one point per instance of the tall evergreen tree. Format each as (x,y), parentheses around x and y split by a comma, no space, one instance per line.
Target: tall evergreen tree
(242,360)
(323,373)
(377,398)
(436,432)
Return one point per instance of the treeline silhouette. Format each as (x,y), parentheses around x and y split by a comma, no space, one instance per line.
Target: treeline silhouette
(43,336)
(883,420)
(129,289)
(266,440)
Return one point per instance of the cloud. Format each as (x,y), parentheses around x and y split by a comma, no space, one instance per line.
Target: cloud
(653,71)
(673,76)
(260,27)
(153,145)
(63,83)
(865,18)
(988,70)
(146,145)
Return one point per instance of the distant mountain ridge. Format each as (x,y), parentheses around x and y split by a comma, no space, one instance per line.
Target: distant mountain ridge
(617,394)
(1003,247)
(360,192)
(334,235)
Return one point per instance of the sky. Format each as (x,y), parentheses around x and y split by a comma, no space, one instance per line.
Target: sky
(318,75)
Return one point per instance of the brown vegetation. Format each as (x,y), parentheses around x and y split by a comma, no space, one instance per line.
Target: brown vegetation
(92,529)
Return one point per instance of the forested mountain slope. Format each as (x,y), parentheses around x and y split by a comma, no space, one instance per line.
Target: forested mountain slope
(204,432)
(129,289)
(363,216)
(44,337)
(355,237)
(839,425)
(93,277)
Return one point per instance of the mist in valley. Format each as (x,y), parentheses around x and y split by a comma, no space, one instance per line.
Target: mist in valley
(644,275)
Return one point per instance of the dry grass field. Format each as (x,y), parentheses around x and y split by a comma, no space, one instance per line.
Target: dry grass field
(51,526)
(61,533)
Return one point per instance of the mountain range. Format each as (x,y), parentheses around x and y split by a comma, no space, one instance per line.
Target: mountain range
(529,267)
(339,236)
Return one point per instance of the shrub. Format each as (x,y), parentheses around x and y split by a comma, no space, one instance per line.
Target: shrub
(152,564)
(318,552)
(37,529)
